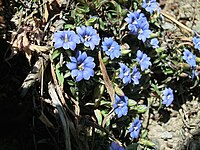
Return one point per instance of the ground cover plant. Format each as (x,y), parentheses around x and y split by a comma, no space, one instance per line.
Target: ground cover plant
(103,69)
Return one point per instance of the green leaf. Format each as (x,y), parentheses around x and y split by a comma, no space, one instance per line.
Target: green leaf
(69,26)
(168,71)
(125,51)
(82,9)
(146,142)
(98,115)
(105,113)
(144,133)
(118,91)
(55,54)
(91,21)
(132,146)
(59,75)
(67,74)
(132,102)
(159,50)
(198,59)
(141,108)
(102,24)
(101,3)
(103,102)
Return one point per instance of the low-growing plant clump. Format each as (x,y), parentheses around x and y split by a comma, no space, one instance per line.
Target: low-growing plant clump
(110,68)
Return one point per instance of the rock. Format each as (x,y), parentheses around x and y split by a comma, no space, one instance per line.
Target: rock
(166,135)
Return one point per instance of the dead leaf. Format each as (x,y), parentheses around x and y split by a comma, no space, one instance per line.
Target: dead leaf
(61,2)
(28,54)
(38,48)
(25,41)
(46,13)
(106,79)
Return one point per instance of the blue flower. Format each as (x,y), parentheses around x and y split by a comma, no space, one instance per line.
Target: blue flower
(168,96)
(196,41)
(88,36)
(111,48)
(143,31)
(116,146)
(135,128)
(133,18)
(189,58)
(124,73)
(150,5)
(138,25)
(121,105)
(81,66)
(143,60)
(154,42)
(195,73)
(66,39)
(135,76)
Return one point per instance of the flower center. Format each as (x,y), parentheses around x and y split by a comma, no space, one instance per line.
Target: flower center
(168,96)
(135,128)
(190,57)
(81,66)
(111,49)
(149,3)
(66,39)
(140,31)
(120,105)
(87,37)
(126,73)
(134,22)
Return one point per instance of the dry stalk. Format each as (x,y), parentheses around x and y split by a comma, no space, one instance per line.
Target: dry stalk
(64,119)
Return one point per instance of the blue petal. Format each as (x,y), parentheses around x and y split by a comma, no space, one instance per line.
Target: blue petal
(79,77)
(71,65)
(80,30)
(92,46)
(87,44)
(89,60)
(90,71)
(90,65)
(74,72)
(66,45)
(72,45)
(139,54)
(95,39)
(81,56)
(86,75)
(73,59)
(58,35)
(124,110)
(58,43)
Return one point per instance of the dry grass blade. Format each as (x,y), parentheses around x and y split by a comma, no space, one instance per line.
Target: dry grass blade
(46,13)
(38,48)
(106,79)
(109,87)
(62,115)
